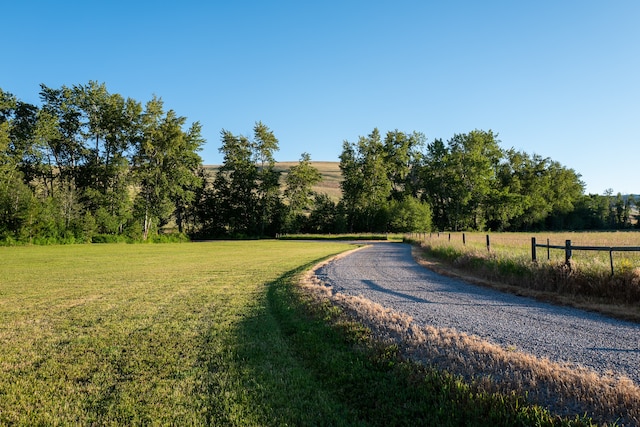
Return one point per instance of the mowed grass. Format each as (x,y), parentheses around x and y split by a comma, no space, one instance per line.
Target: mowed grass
(212,333)
(141,334)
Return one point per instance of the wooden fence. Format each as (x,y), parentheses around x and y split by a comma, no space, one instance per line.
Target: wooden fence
(567,247)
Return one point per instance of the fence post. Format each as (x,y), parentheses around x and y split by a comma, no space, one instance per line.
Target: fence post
(449,236)
(611,260)
(548,250)
(567,253)
(464,239)
(533,250)
(488,244)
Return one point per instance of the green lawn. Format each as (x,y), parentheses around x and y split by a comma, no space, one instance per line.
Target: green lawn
(207,334)
(137,333)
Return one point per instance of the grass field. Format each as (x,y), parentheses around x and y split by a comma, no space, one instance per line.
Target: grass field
(131,333)
(211,333)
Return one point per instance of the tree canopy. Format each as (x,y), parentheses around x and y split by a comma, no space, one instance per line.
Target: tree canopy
(90,165)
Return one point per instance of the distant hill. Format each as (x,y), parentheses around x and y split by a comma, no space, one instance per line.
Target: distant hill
(331,177)
(330,171)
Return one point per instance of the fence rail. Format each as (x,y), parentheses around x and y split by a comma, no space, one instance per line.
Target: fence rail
(569,248)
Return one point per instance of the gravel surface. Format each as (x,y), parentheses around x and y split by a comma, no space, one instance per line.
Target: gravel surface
(387,274)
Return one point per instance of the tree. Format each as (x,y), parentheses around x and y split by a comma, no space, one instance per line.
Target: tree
(15,197)
(436,180)
(299,193)
(165,164)
(62,118)
(234,188)
(110,126)
(82,155)
(513,193)
(566,190)
(326,217)
(459,179)
(264,145)
(366,187)
(245,198)
(591,213)
(474,158)
(402,156)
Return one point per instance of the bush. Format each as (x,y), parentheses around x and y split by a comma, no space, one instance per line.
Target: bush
(169,238)
(110,238)
(409,215)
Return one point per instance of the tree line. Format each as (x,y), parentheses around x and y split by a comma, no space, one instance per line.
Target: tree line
(468,183)
(89,165)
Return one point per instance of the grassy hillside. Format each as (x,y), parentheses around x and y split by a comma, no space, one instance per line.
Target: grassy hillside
(331,176)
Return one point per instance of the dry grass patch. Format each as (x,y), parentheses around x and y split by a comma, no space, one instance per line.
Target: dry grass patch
(330,172)
(564,389)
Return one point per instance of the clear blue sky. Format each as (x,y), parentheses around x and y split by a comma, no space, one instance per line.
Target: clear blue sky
(556,78)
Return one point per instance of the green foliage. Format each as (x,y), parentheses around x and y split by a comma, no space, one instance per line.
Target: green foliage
(299,194)
(326,216)
(409,215)
(93,162)
(165,164)
(472,184)
(110,238)
(365,185)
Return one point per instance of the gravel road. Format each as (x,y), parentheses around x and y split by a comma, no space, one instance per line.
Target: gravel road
(387,274)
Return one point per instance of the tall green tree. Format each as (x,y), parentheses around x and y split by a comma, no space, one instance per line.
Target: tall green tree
(265,145)
(62,116)
(245,199)
(234,189)
(166,163)
(402,155)
(15,197)
(460,179)
(474,158)
(299,192)
(437,178)
(366,187)
(110,127)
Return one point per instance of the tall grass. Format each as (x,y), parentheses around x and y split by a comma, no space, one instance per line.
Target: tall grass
(509,260)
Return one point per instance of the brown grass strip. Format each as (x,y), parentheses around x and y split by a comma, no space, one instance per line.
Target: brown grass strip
(564,389)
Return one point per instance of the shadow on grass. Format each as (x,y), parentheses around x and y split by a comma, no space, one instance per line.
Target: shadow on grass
(292,362)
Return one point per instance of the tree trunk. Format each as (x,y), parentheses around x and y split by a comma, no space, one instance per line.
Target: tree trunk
(145,228)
